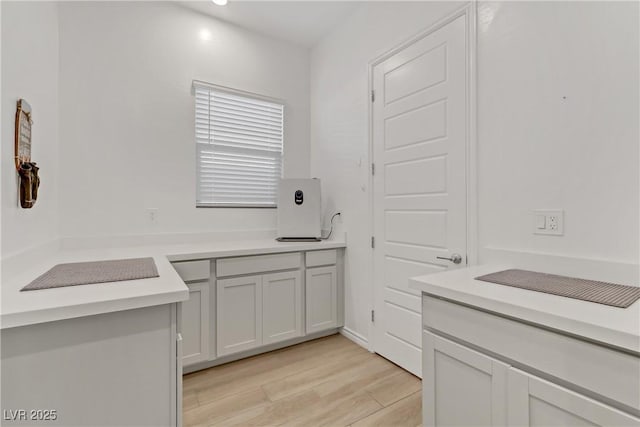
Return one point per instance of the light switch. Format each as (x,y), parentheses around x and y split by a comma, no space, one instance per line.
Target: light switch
(541,222)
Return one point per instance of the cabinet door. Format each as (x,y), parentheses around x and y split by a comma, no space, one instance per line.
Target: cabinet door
(195,324)
(321,298)
(239,314)
(281,306)
(536,402)
(461,386)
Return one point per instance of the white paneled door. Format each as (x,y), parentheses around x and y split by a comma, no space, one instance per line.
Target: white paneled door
(420,128)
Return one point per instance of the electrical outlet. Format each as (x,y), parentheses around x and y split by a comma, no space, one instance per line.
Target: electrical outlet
(152,215)
(548,222)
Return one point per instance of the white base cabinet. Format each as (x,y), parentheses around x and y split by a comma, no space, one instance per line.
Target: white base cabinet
(195,323)
(258,310)
(538,403)
(481,369)
(194,314)
(463,387)
(111,369)
(239,305)
(456,377)
(239,314)
(281,306)
(322,298)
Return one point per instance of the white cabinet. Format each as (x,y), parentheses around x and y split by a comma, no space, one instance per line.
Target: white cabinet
(281,306)
(321,298)
(462,386)
(599,369)
(536,402)
(195,312)
(470,379)
(465,387)
(195,324)
(239,314)
(244,305)
(109,369)
(258,310)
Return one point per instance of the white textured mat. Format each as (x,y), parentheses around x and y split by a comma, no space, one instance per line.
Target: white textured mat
(587,290)
(85,273)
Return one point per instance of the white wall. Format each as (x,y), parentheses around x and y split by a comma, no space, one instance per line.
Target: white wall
(558,126)
(536,148)
(29,71)
(339,144)
(127,113)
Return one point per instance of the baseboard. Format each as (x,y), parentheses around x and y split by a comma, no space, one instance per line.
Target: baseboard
(355,337)
(587,268)
(254,352)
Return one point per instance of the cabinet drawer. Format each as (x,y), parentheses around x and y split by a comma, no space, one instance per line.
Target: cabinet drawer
(607,372)
(192,270)
(317,258)
(257,264)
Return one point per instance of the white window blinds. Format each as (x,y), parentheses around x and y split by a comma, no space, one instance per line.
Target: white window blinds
(239,140)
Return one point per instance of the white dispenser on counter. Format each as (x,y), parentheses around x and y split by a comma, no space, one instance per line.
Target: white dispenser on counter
(299,210)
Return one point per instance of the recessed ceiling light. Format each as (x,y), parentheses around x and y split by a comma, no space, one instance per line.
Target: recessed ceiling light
(220,2)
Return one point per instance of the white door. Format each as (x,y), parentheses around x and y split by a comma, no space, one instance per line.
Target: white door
(536,402)
(420,130)
(465,388)
(195,324)
(281,306)
(321,298)
(239,314)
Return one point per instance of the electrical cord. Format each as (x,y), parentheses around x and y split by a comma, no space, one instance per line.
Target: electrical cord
(330,229)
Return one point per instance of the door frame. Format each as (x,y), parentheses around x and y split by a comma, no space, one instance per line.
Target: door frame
(469,12)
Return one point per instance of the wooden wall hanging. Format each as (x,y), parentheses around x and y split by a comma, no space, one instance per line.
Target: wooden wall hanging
(27,169)
(23,133)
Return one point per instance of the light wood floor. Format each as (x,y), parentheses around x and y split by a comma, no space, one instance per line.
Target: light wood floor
(326,382)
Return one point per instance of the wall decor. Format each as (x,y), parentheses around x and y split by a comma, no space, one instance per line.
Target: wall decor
(23,132)
(27,169)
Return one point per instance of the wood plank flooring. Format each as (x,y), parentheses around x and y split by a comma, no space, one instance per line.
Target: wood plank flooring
(326,382)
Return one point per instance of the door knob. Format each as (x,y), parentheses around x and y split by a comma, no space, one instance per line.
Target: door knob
(455,258)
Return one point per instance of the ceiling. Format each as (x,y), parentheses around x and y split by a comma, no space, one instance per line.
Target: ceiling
(300,22)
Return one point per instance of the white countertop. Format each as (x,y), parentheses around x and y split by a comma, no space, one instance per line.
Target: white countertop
(46,305)
(618,327)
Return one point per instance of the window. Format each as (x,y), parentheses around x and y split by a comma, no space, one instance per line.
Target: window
(239,140)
